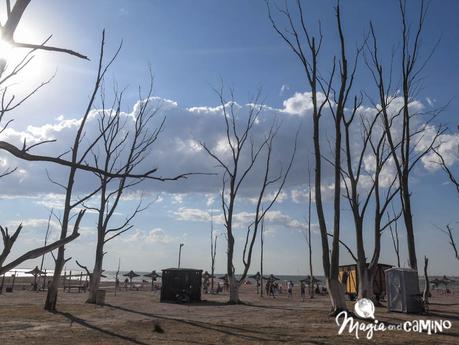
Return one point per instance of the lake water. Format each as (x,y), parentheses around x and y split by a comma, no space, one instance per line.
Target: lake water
(110,276)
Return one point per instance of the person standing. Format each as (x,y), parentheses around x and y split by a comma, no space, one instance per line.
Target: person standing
(303,290)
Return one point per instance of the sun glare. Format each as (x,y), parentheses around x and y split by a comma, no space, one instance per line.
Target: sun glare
(6,50)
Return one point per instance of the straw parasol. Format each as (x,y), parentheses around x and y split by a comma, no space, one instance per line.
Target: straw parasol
(436,282)
(224,277)
(35,272)
(445,281)
(272,277)
(153,275)
(131,274)
(256,276)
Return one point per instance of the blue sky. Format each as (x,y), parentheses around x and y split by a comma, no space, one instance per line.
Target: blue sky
(191,46)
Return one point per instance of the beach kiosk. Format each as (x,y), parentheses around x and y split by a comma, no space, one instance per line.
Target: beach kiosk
(348,277)
(181,285)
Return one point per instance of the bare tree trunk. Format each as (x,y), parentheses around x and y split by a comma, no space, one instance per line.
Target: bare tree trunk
(336,294)
(51,298)
(233,283)
(307,52)
(234,175)
(213,252)
(426,293)
(96,273)
(261,256)
(396,242)
(234,290)
(311,274)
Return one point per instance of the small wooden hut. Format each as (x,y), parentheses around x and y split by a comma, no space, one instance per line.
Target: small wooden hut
(348,276)
(181,285)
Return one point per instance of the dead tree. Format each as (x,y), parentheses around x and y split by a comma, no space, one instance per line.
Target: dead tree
(448,230)
(455,183)
(307,48)
(395,241)
(359,193)
(403,147)
(213,252)
(77,157)
(311,273)
(262,243)
(9,103)
(7,30)
(426,293)
(9,240)
(122,150)
(240,141)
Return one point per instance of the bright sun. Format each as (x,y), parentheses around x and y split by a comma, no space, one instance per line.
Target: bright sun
(6,50)
(12,56)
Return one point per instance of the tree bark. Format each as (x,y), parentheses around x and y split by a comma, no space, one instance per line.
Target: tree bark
(234,290)
(426,292)
(336,293)
(96,273)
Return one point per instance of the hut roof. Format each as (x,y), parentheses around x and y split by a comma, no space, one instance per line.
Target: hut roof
(256,276)
(153,274)
(36,271)
(182,269)
(131,274)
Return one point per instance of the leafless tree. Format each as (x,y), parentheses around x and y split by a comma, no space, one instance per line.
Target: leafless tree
(426,293)
(262,244)
(448,230)
(113,141)
(9,240)
(359,192)
(307,47)
(213,252)
(405,151)
(308,237)
(239,139)
(395,241)
(7,30)
(76,157)
(9,103)
(121,151)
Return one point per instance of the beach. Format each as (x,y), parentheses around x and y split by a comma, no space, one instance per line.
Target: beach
(137,317)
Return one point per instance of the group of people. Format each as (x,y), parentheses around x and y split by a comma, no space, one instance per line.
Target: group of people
(206,284)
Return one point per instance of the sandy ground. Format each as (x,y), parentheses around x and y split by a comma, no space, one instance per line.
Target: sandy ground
(137,317)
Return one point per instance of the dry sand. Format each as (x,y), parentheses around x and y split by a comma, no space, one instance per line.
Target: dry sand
(134,317)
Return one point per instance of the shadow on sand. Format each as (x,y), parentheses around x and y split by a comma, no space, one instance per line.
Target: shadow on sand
(84,323)
(248,334)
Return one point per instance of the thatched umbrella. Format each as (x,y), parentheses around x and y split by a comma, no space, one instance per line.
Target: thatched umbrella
(131,274)
(224,277)
(153,275)
(35,272)
(256,276)
(436,282)
(445,281)
(272,277)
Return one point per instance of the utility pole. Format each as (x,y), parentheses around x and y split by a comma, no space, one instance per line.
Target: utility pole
(180,253)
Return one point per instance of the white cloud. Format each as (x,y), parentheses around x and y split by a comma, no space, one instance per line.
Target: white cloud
(192,214)
(448,147)
(158,236)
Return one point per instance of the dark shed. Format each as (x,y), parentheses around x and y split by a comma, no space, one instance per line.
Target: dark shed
(181,285)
